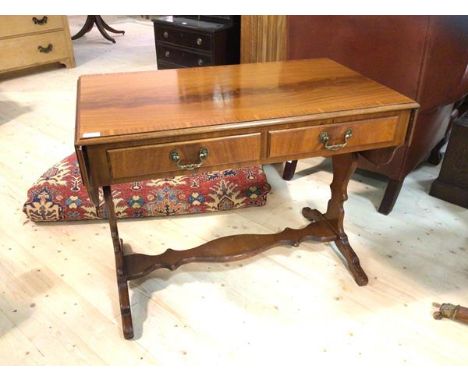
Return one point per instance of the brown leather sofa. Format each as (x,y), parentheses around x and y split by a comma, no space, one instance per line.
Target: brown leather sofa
(423,57)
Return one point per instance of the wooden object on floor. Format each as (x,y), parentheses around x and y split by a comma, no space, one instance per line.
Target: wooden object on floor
(452,183)
(410,54)
(133,126)
(188,41)
(28,41)
(453,312)
(101,25)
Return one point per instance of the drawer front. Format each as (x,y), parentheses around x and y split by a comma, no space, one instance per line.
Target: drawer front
(157,159)
(182,57)
(26,51)
(188,39)
(19,25)
(335,138)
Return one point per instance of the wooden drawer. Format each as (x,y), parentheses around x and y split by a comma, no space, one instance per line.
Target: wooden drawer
(156,159)
(185,38)
(32,50)
(380,132)
(20,25)
(181,57)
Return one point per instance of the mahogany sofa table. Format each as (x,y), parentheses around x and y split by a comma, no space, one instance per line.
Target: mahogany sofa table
(135,126)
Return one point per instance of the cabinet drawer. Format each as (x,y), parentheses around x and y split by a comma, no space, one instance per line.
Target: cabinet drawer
(30,50)
(185,38)
(181,57)
(19,25)
(157,159)
(362,135)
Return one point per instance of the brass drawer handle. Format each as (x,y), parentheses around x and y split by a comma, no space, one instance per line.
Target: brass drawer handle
(165,35)
(202,155)
(47,49)
(40,21)
(324,138)
(199,41)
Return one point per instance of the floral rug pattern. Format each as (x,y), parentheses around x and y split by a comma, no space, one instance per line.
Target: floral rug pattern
(59,194)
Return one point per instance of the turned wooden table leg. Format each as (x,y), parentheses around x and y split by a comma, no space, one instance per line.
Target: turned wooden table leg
(344,166)
(102,26)
(88,25)
(122,280)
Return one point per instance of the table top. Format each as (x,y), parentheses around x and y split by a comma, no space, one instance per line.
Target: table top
(139,104)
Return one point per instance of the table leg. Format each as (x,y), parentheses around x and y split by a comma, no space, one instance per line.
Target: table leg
(344,166)
(88,25)
(323,227)
(122,280)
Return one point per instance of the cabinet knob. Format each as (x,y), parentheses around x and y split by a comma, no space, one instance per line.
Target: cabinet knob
(46,49)
(199,41)
(167,53)
(41,21)
(200,62)
(165,35)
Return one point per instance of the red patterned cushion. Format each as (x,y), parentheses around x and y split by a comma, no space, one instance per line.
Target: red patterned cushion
(59,194)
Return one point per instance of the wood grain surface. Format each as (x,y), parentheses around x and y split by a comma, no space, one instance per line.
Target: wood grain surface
(55,305)
(21,25)
(154,159)
(113,105)
(263,38)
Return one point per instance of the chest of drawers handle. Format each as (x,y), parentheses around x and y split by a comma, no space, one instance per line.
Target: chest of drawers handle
(200,62)
(167,53)
(165,35)
(41,21)
(324,138)
(202,156)
(47,49)
(199,41)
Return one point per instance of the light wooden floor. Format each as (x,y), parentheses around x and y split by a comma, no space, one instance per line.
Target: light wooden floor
(294,306)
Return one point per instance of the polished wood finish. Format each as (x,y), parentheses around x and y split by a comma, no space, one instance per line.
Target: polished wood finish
(120,266)
(160,101)
(27,41)
(423,57)
(263,38)
(155,159)
(324,228)
(365,134)
(129,126)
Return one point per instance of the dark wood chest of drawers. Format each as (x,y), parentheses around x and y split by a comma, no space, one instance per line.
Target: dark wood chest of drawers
(187,42)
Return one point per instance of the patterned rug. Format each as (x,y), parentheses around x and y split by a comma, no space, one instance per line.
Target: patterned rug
(59,194)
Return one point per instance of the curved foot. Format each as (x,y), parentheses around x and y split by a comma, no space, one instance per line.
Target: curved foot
(100,26)
(312,215)
(353,262)
(110,29)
